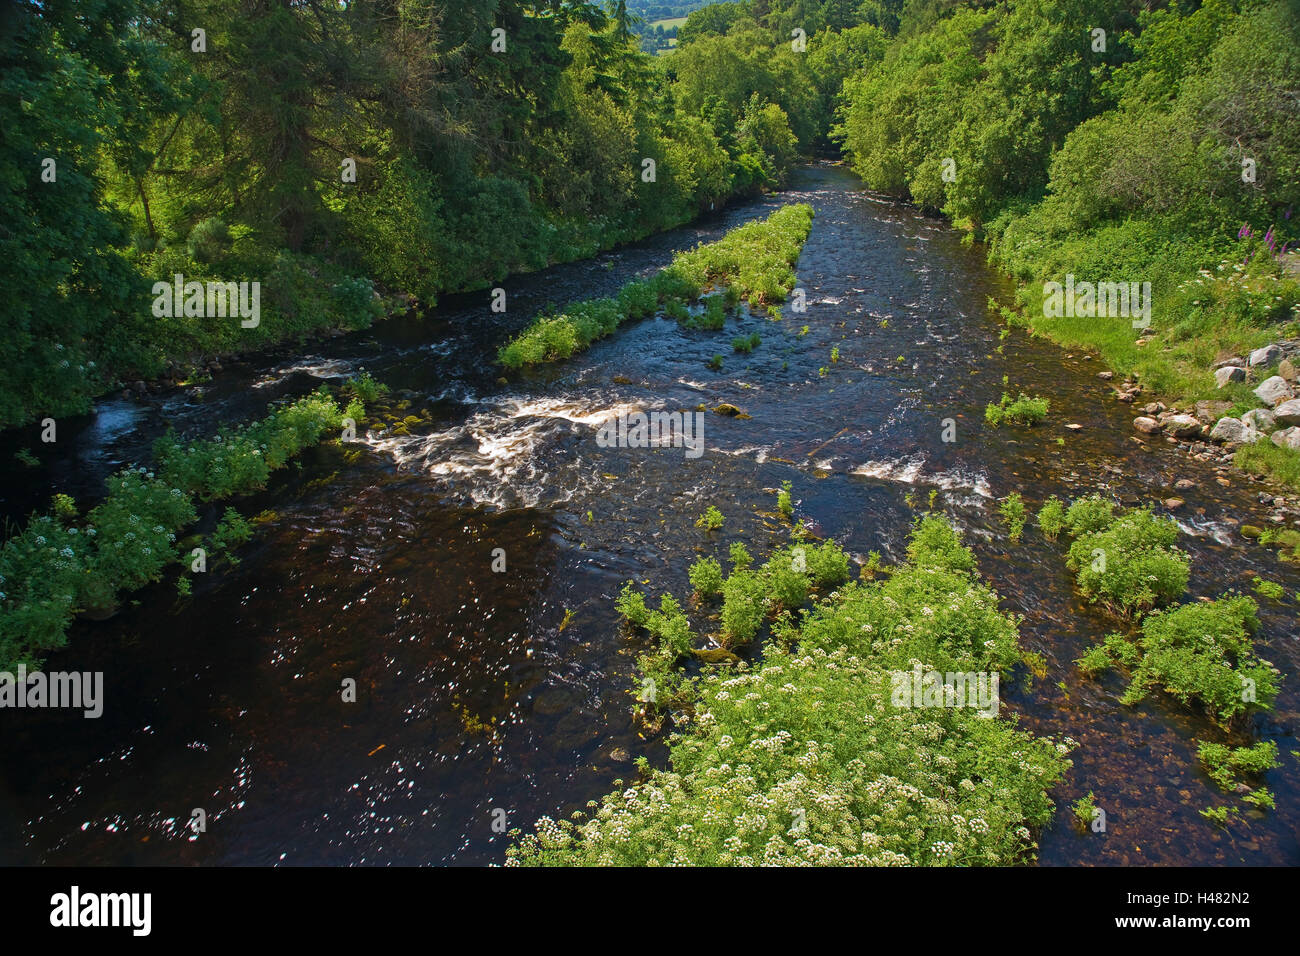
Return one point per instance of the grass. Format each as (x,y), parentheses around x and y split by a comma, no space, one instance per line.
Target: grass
(1213,300)
(754,262)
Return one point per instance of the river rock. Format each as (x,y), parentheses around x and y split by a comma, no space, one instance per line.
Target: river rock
(1287,438)
(1174,503)
(1183,426)
(1265,356)
(1155,408)
(726,408)
(1233,430)
(1105,376)
(1273,391)
(1227,374)
(1260,419)
(716,655)
(1286,368)
(1288,413)
(1184,484)
(1146,425)
(1211,412)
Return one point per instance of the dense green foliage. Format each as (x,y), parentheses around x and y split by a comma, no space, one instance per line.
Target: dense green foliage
(63,564)
(1200,653)
(232,160)
(1128,561)
(803,759)
(1166,152)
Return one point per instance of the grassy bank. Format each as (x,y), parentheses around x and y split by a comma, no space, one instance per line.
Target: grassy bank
(808,757)
(65,563)
(754,262)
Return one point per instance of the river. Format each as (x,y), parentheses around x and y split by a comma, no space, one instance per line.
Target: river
(486,696)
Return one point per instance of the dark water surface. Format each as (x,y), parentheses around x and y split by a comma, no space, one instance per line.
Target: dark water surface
(482,692)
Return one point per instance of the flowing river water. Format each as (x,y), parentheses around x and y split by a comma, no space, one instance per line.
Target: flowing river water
(481,692)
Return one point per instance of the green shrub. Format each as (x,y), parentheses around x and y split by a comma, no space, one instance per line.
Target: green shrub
(754,261)
(706,577)
(740,557)
(1022,411)
(671,626)
(1051,518)
(1225,764)
(784,503)
(1012,510)
(711,520)
(231,531)
(355,303)
(828,565)
(937,544)
(57,566)
(744,605)
(1130,565)
(631,605)
(1203,653)
(1269,589)
(240,460)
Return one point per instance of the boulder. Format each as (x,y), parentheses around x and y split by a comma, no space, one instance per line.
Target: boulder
(1211,412)
(1273,391)
(1287,438)
(1287,414)
(1230,430)
(1229,373)
(1148,426)
(1286,368)
(1260,419)
(1183,426)
(1234,360)
(1265,356)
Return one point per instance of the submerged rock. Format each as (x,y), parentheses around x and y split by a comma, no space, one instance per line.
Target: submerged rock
(726,408)
(1148,426)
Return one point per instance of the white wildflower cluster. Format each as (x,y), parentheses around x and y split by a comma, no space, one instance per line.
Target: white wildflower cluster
(801,760)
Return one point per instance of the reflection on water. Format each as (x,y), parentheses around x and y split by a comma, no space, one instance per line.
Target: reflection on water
(481,690)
